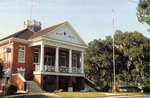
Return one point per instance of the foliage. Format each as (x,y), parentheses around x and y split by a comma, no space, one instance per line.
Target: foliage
(131,60)
(1,70)
(146,89)
(143,11)
(9,89)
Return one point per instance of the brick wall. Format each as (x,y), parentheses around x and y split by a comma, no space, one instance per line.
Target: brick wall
(19,82)
(28,65)
(39,80)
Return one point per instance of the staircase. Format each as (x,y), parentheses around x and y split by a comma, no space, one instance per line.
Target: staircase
(33,87)
(89,85)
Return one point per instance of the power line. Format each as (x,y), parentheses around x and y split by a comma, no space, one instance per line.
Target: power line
(133,1)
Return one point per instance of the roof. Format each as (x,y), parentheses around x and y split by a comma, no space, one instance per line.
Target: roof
(23,34)
(45,31)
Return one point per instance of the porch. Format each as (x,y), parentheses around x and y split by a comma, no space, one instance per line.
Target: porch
(58,59)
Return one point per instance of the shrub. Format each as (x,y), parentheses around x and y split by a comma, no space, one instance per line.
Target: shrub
(105,88)
(146,89)
(9,89)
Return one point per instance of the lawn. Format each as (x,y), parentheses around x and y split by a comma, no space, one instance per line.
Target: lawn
(72,95)
(80,94)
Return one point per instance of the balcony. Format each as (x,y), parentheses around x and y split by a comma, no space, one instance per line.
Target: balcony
(62,69)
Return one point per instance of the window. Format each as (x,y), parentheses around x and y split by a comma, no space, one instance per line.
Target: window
(5,56)
(74,60)
(21,54)
(49,60)
(36,56)
(63,59)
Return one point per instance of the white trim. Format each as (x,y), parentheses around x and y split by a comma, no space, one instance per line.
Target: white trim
(19,40)
(54,29)
(21,91)
(21,69)
(24,53)
(42,57)
(62,42)
(58,73)
(37,63)
(70,61)
(57,59)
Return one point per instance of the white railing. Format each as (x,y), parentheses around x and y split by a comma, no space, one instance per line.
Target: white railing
(37,67)
(51,68)
(63,69)
(76,70)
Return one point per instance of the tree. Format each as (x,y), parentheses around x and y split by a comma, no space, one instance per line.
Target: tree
(1,71)
(99,63)
(143,11)
(131,56)
(135,47)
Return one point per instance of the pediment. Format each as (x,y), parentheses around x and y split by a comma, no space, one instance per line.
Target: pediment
(65,33)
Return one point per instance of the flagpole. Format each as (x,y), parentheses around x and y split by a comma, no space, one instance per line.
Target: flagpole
(114,85)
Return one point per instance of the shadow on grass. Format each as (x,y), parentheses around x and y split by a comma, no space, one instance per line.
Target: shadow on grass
(30,96)
(27,96)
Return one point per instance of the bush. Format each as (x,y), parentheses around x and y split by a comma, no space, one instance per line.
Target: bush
(9,89)
(105,88)
(146,89)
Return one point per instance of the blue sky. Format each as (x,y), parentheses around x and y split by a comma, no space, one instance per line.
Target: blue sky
(92,19)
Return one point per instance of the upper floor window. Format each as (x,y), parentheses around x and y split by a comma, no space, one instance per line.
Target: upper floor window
(21,54)
(63,59)
(36,56)
(74,60)
(5,56)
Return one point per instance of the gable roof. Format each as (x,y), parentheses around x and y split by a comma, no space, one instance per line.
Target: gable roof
(45,31)
(23,34)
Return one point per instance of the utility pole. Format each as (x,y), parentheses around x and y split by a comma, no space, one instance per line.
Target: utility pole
(114,86)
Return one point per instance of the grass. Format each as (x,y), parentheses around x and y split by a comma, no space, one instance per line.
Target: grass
(95,94)
(80,94)
(74,94)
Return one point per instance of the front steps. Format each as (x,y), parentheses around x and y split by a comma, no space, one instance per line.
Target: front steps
(33,87)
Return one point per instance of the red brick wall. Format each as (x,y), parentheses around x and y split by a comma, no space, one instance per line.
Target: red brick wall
(28,65)
(18,82)
(39,80)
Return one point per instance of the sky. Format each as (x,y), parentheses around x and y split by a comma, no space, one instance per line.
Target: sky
(92,19)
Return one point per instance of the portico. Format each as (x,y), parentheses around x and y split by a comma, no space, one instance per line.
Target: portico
(60,58)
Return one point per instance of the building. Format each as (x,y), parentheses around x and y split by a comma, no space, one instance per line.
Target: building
(52,58)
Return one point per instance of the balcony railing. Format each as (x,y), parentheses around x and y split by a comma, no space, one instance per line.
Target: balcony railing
(63,69)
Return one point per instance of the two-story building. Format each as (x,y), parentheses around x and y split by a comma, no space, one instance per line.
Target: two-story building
(53,58)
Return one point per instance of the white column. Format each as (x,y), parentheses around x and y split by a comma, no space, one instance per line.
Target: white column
(82,62)
(57,59)
(42,58)
(70,61)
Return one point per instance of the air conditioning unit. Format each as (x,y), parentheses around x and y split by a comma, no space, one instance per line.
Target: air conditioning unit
(7,50)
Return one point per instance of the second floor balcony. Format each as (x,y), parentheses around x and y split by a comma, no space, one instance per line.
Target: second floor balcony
(61,69)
